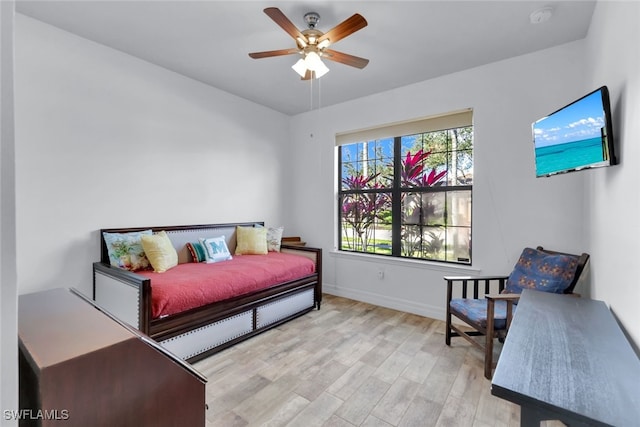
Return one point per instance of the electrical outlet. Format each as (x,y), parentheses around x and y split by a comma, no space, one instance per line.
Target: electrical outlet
(380,274)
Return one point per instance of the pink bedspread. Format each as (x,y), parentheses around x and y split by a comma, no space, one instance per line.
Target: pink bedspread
(192,285)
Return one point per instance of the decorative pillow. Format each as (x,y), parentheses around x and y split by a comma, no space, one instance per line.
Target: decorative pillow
(160,251)
(251,241)
(274,237)
(125,250)
(541,271)
(216,249)
(197,251)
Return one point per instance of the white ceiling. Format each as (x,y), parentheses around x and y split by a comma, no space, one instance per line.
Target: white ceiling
(405,41)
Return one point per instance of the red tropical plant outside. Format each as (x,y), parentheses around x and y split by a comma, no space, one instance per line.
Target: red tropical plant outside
(361,210)
(413,172)
(359,182)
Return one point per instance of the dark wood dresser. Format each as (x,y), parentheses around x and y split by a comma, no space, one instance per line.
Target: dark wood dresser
(79,366)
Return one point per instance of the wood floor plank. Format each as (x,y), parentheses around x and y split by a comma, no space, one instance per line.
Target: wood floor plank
(266,400)
(393,366)
(313,387)
(350,352)
(227,398)
(372,421)
(282,414)
(358,406)
(336,421)
(455,413)
(420,413)
(317,412)
(420,367)
(394,403)
(351,380)
(353,364)
(226,419)
(437,385)
(379,353)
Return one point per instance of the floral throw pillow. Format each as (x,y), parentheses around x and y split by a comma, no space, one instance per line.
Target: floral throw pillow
(125,250)
(274,237)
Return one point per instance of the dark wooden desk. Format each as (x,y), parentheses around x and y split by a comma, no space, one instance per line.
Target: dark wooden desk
(566,359)
(81,367)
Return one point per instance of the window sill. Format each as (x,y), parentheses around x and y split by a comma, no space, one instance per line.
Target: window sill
(405,262)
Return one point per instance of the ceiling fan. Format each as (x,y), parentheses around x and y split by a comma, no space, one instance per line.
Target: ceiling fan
(313,44)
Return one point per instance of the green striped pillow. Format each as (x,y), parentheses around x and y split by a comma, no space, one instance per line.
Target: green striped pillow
(197,252)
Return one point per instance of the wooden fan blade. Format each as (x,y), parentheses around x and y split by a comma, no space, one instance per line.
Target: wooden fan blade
(345,58)
(345,28)
(269,53)
(284,22)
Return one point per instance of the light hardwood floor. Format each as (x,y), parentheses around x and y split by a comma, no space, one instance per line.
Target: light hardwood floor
(352,364)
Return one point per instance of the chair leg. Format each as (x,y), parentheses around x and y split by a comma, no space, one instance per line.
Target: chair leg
(488,348)
(447,338)
(447,335)
(488,356)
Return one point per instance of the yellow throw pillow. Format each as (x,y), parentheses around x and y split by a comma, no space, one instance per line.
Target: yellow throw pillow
(251,240)
(160,251)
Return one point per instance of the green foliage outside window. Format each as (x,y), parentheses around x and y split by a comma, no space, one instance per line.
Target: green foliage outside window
(408,196)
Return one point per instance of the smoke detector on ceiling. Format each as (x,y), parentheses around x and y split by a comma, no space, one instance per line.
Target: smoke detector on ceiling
(541,15)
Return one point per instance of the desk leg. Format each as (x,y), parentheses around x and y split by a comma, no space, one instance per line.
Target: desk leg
(529,417)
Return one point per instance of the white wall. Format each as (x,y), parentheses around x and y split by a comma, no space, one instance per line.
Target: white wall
(614,196)
(511,208)
(8,285)
(107,140)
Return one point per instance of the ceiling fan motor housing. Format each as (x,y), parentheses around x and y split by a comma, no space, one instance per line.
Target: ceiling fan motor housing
(312,19)
(312,43)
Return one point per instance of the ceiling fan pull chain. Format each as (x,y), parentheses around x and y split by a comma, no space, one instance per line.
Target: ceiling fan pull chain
(311,94)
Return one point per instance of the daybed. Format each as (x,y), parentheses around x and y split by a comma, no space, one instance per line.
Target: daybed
(196,331)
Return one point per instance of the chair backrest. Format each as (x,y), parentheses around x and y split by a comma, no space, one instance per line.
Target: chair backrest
(582,262)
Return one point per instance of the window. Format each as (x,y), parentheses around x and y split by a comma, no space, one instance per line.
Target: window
(408,195)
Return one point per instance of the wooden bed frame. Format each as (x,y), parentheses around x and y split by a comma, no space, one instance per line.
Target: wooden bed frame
(200,332)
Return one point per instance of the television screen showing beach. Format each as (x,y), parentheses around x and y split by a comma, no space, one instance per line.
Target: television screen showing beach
(572,138)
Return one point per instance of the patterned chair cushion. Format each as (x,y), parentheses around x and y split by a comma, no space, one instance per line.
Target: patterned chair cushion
(541,271)
(476,311)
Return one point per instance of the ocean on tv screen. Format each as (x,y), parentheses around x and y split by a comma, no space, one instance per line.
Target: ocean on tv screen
(569,156)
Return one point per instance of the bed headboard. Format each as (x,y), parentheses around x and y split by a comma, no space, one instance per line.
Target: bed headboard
(180,235)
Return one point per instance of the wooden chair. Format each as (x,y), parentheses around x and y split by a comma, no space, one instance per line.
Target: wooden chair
(490,315)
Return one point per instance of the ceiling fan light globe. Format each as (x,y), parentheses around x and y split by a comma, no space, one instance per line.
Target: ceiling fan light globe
(324,44)
(300,67)
(321,71)
(313,61)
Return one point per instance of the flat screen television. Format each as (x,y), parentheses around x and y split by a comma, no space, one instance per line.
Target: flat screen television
(578,136)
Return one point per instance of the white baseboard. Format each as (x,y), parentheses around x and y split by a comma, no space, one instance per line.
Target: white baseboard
(431,311)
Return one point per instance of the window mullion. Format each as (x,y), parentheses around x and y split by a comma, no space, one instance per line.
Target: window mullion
(396,199)
(340,198)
